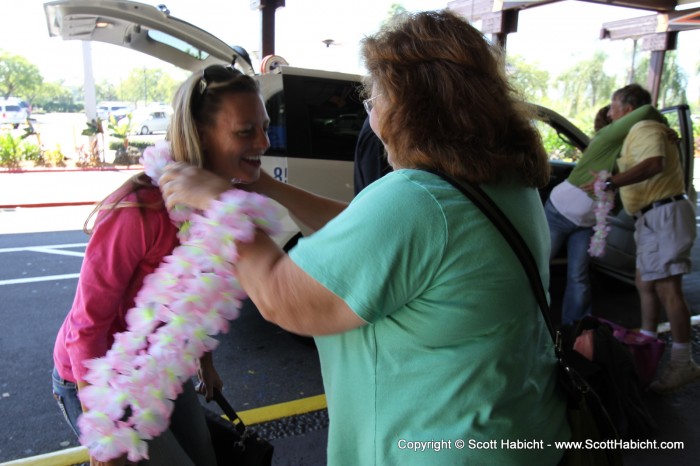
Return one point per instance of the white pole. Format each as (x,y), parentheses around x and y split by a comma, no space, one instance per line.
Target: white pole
(89,89)
(89,82)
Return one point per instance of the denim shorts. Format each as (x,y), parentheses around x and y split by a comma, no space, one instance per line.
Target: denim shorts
(66,395)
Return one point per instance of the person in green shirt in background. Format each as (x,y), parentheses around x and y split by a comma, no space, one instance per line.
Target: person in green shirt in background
(570,209)
(652,189)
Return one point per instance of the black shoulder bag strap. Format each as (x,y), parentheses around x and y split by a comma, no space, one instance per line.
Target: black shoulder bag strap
(574,380)
(229,412)
(511,235)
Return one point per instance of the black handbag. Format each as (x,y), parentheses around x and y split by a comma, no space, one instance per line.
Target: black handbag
(234,443)
(587,415)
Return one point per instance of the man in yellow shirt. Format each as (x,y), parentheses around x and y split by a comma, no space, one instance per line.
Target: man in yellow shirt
(652,189)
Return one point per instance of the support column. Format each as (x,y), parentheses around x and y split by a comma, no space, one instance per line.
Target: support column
(267,10)
(656,69)
(657,44)
(89,82)
(499,24)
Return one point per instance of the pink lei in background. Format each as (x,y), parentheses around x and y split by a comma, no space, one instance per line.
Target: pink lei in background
(604,201)
(189,298)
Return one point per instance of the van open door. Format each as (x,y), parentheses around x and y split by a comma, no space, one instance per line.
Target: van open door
(143,28)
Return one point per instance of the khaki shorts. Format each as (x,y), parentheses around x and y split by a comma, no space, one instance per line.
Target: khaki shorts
(664,237)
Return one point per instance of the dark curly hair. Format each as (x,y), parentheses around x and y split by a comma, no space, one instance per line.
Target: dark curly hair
(448,105)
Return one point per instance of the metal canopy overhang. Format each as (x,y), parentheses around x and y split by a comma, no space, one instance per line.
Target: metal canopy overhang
(635,28)
(475,9)
(658,32)
(128,24)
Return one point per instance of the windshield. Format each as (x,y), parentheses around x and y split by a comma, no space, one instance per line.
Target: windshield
(178,44)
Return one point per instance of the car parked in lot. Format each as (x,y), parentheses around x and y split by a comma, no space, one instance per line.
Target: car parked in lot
(12,113)
(315,115)
(151,121)
(116,110)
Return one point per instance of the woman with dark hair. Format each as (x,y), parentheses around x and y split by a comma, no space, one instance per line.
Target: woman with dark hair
(219,124)
(432,346)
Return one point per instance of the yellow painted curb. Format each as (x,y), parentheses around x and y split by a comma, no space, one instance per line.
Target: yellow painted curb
(278,411)
(67,457)
(251,417)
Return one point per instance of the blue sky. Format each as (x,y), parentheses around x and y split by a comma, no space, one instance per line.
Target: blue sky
(554,36)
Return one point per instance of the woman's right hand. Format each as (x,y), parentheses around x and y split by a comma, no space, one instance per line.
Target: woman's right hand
(186,185)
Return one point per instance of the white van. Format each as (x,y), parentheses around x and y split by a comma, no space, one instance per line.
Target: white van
(12,113)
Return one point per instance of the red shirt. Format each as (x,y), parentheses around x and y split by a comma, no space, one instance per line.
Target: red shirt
(127,244)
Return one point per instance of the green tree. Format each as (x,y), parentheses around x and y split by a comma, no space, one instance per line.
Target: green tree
(148,85)
(527,78)
(586,86)
(55,97)
(18,77)
(394,10)
(105,90)
(674,80)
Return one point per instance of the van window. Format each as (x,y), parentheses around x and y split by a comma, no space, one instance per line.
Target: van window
(277,131)
(316,118)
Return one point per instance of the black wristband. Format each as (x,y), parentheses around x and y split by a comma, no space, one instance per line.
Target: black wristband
(610,185)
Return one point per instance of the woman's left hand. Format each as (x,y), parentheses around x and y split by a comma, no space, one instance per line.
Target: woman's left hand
(208,377)
(186,185)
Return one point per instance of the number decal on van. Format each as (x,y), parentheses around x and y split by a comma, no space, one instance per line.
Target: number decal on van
(280,173)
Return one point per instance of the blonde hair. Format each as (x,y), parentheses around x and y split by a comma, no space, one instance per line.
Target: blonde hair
(196,104)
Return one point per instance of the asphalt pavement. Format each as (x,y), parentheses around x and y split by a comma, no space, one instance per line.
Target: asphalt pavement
(272,377)
(27,205)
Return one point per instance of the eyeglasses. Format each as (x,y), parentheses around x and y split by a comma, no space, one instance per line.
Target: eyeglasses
(369,103)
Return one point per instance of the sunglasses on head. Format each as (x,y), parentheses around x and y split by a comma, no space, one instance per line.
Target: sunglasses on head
(215,74)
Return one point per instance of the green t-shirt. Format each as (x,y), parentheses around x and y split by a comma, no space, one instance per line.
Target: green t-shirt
(455,348)
(605,146)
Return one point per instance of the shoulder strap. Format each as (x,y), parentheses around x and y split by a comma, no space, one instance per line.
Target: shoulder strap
(511,235)
(229,411)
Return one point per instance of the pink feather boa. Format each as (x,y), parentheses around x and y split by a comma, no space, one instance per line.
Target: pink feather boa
(191,297)
(603,205)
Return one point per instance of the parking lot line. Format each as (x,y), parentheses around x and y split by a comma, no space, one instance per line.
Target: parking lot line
(47,278)
(50,248)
